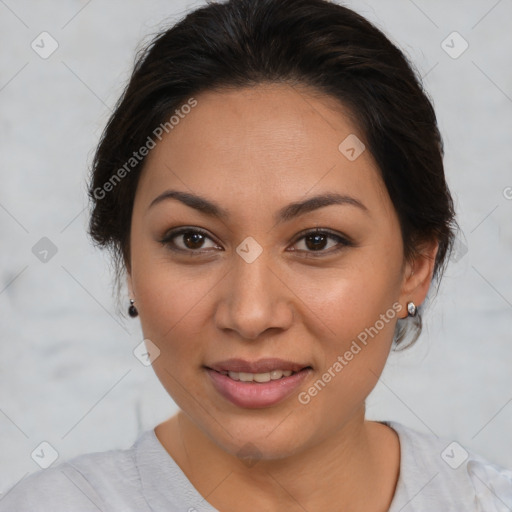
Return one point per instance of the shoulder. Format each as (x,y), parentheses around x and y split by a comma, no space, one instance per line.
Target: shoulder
(438,472)
(90,482)
(54,489)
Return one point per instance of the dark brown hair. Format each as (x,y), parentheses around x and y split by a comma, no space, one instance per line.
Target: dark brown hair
(314,43)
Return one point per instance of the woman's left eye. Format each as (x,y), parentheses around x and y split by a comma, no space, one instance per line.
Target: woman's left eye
(317,241)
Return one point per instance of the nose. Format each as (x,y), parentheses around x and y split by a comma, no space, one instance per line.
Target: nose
(254,299)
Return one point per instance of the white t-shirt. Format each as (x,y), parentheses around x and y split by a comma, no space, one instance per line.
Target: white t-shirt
(435,475)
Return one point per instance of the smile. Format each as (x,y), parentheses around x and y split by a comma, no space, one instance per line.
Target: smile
(257,389)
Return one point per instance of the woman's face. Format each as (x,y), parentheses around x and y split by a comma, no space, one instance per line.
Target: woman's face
(248,282)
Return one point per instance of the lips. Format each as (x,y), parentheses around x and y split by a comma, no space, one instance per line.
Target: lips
(257,384)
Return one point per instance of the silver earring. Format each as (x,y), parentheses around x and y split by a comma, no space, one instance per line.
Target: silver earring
(411,309)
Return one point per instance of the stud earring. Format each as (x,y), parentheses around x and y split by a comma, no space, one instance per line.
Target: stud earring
(411,309)
(132,310)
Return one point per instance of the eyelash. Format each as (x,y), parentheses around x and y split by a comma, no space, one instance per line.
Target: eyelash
(343,242)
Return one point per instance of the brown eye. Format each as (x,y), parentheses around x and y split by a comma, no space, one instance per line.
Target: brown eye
(187,240)
(193,240)
(315,241)
(318,241)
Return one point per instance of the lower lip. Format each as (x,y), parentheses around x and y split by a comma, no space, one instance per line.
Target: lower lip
(255,395)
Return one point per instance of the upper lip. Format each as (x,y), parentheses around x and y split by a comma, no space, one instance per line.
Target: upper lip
(259,366)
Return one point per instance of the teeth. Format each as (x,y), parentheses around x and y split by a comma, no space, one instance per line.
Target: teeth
(258,377)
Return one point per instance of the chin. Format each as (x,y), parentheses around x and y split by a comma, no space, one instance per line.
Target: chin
(260,438)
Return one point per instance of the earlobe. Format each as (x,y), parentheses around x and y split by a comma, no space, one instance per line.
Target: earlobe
(129,283)
(418,275)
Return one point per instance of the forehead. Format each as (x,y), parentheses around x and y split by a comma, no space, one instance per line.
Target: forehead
(271,140)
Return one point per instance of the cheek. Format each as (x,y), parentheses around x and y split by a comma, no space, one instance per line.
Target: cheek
(172,315)
(165,290)
(350,298)
(361,315)
(358,306)
(372,287)
(170,306)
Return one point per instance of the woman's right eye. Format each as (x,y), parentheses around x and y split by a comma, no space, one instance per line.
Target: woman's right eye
(186,240)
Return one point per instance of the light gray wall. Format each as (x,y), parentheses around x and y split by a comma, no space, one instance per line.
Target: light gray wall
(67,372)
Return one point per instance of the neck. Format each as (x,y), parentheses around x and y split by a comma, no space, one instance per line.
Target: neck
(361,455)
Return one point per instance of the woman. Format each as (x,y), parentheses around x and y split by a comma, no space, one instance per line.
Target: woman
(271,185)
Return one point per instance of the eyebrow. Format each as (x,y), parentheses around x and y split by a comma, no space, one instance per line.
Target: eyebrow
(285,214)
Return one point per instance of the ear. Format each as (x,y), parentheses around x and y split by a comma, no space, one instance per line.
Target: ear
(418,275)
(128,273)
(129,282)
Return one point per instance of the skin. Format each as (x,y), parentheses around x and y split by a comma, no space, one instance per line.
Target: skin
(253,151)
